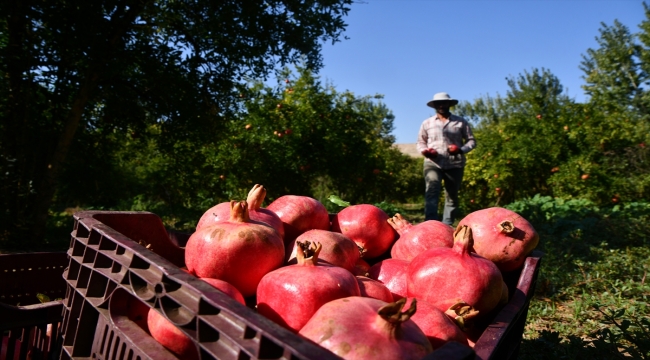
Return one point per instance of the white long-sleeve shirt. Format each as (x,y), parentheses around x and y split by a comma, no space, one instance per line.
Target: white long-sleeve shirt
(437,134)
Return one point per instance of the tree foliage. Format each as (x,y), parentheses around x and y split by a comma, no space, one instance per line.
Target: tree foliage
(299,137)
(76,72)
(537,140)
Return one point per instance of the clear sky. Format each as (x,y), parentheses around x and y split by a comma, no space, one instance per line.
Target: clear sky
(408,50)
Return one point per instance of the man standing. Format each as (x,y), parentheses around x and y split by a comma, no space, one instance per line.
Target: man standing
(443,140)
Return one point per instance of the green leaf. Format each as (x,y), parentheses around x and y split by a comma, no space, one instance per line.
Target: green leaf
(338,201)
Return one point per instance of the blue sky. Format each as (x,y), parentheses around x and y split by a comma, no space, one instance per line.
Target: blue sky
(408,50)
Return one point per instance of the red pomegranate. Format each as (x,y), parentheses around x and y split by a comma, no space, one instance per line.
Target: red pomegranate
(360,328)
(255,200)
(502,236)
(414,239)
(169,336)
(361,268)
(337,249)
(226,288)
(137,312)
(436,325)
(228,250)
(215,214)
(256,213)
(299,214)
(291,295)
(443,276)
(374,289)
(366,225)
(393,274)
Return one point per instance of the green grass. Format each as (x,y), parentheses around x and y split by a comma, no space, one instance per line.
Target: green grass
(592,293)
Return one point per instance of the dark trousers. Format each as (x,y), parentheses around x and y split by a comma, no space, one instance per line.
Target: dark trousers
(433,178)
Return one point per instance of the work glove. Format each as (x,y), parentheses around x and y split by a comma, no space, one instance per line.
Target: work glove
(430,153)
(453,149)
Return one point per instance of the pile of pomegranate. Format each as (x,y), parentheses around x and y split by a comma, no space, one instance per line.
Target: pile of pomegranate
(359,283)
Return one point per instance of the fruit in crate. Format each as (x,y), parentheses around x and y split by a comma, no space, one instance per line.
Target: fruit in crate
(237,251)
(337,249)
(436,325)
(392,273)
(374,289)
(414,239)
(365,328)
(367,226)
(291,295)
(299,214)
(502,236)
(444,276)
(255,199)
(169,336)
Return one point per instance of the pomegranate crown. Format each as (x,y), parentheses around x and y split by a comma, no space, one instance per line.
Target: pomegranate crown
(393,312)
(256,197)
(307,252)
(398,223)
(463,239)
(239,211)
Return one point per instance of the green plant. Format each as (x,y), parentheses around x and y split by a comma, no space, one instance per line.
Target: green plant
(593,254)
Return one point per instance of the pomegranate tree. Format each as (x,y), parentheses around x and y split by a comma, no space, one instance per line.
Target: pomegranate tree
(502,236)
(367,226)
(365,328)
(414,239)
(291,295)
(443,276)
(228,250)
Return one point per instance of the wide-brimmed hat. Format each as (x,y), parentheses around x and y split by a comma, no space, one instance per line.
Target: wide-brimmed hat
(442,96)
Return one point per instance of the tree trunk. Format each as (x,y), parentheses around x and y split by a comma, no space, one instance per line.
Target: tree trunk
(47,187)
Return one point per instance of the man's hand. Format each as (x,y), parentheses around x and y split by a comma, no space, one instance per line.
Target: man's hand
(430,153)
(453,149)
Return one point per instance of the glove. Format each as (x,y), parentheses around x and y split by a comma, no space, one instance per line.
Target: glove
(453,149)
(430,153)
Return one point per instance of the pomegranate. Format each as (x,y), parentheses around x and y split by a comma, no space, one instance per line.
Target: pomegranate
(367,226)
(169,336)
(290,295)
(217,213)
(255,199)
(337,249)
(502,236)
(365,328)
(392,273)
(436,325)
(221,212)
(299,214)
(361,268)
(443,276)
(138,312)
(414,239)
(374,289)
(227,250)
(226,288)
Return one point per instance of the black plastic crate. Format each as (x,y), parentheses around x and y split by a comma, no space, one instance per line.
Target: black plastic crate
(29,329)
(117,258)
